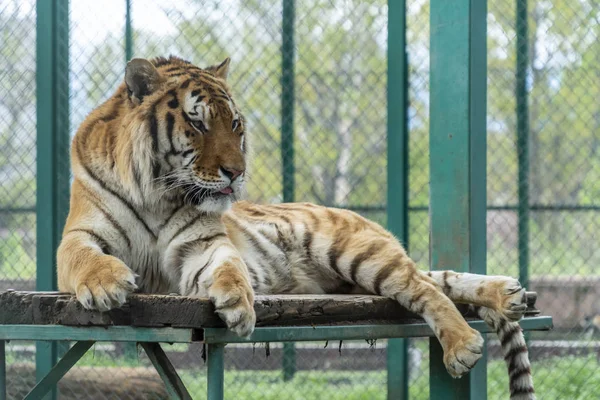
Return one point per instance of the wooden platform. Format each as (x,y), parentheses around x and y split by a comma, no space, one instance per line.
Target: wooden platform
(143,310)
(153,319)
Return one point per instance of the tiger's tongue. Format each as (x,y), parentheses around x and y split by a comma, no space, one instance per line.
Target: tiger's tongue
(227,190)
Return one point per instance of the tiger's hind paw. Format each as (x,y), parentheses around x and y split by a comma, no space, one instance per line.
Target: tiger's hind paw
(514,302)
(460,358)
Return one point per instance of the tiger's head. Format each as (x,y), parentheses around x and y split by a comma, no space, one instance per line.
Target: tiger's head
(196,131)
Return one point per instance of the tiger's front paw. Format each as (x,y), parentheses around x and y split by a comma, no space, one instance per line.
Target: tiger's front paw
(233,298)
(105,286)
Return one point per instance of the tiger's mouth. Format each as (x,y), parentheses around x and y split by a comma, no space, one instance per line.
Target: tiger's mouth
(196,195)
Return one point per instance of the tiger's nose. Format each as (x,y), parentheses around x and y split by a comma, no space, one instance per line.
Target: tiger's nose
(231,173)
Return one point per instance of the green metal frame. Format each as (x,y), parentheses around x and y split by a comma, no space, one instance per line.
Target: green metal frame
(523,139)
(2,370)
(215,370)
(52,176)
(214,338)
(49,381)
(522,25)
(458,162)
(165,369)
(349,332)
(128,32)
(397,174)
(97,334)
(288,54)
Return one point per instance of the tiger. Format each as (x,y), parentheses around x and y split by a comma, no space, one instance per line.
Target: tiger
(157,206)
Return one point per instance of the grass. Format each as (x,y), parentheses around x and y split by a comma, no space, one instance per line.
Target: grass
(574,378)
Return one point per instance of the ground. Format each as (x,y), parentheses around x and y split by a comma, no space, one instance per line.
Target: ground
(572,377)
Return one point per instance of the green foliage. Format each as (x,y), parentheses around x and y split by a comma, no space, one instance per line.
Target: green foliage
(15,257)
(17,109)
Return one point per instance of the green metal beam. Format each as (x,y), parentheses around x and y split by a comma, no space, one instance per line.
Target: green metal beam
(52,104)
(397,173)
(523,139)
(215,371)
(457,162)
(97,334)
(50,380)
(363,208)
(350,332)
(167,372)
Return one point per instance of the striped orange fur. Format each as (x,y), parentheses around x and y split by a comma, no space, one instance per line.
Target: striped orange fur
(158,171)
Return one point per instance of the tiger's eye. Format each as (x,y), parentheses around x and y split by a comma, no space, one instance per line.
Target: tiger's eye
(199,125)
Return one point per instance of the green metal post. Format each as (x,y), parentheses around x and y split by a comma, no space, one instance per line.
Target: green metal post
(458,162)
(397,174)
(523,140)
(215,371)
(289,360)
(2,370)
(52,80)
(129,349)
(288,53)
(128,32)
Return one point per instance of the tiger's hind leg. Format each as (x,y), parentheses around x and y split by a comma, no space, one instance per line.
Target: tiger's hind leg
(500,302)
(381,266)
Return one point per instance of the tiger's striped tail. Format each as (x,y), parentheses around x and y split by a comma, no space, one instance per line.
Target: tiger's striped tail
(514,350)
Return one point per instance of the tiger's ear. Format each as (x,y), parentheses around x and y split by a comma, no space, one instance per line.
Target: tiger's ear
(141,78)
(221,70)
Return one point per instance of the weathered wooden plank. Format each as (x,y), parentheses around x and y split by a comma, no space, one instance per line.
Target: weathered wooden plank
(145,310)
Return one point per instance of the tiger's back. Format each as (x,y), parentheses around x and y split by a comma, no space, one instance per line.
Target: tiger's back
(298,247)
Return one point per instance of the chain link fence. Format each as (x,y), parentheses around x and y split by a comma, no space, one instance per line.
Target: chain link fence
(17,152)
(543,167)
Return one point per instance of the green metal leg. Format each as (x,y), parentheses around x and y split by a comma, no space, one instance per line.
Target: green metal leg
(165,369)
(397,369)
(59,370)
(130,351)
(2,370)
(215,373)
(46,354)
(478,374)
(289,361)
(442,385)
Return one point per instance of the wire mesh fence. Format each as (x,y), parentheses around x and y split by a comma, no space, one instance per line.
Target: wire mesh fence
(543,164)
